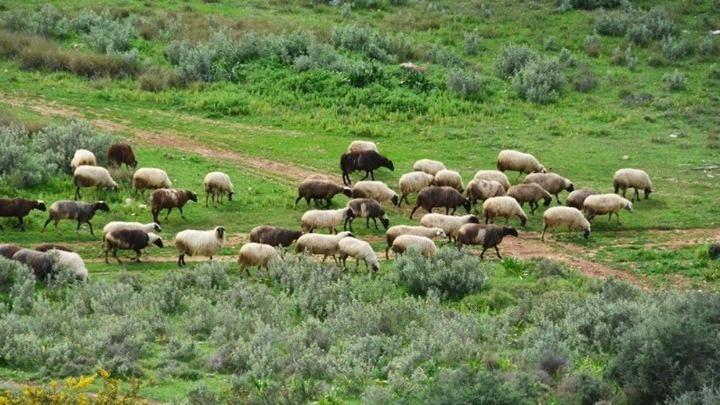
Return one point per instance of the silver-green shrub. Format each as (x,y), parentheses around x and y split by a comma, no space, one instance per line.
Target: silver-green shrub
(676,49)
(18,167)
(467,85)
(540,81)
(55,145)
(512,59)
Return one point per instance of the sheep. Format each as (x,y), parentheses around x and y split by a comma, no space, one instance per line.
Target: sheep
(522,162)
(358,146)
(571,217)
(113,225)
(448,197)
(428,166)
(364,160)
(530,193)
(366,208)
(7,250)
(319,219)
(449,178)
(149,178)
(394,231)
(83,157)
(19,208)
(505,207)
(360,250)
(404,242)
(257,254)
(326,245)
(69,260)
(199,243)
(377,190)
(44,247)
(39,262)
(479,189)
(413,182)
(493,175)
(273,236)
(317,189)
(129,239)
(632,178)
(448,223)
(170,198)
(577,197)
(486,235)
(119,153)
(551,182)
(81,212)
(217,184)
(605,204)
(92,176)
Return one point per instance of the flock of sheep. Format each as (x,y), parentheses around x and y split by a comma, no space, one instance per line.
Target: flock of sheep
(434,184)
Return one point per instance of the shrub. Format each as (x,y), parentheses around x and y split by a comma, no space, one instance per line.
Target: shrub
(593,4)
(473,42)
(584,389)
(513,58)
(540,81)
(612,23)
(708,47)
(361,74)
(467,386)
(467,85)
(551,44)
(362,40)
(196,65)
(18,168)
(321,56)
(111,36)
(675,81)
(676,49)
(638,26)
(592,45)
(156,79)
(444,57)
(624,57)
(48,22)
(55,146)
(586,81)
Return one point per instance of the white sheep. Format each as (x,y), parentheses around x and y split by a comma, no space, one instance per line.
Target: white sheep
(493,175)
(479,189)
(113,225)
(92,176)
(449,178)
(600,204)
(359,250)
(428,166)
(321,219)
(257,254)
(326,245)
(70,260)
(551,182)
(448,223)
(404,242)
(357,146)
(217,184)
(376,190)
(556,217)
(82,157)
(519,161)
(397,230)
(199,243)
(413,182)
(150,178)
(504,207)
(632,178)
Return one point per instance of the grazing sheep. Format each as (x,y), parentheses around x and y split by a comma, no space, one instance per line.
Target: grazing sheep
(7,250)
(377,190)
(39,262)
(522,162)
(632,178)
(486,235)
(448,197)
(113,225)
(19,208)
(606,204)
(149,178)
(366,161)
(479,189)
(81,212)
(448,223)
(199,243)
(170,198)
(217,184)
(551,182)
(413,182)
(577,198)
(504,207)
(44,247)
(449,178)
(571,217)
(493,175)
(273,236)
(404,242)
(257,254)
(394,231)
(360,250)
(119,153)
(359,146)
(366,208)
(69,260)
(428,166)
(317,189)
(326,245)
(530,193)
(83,157)
(319,219)
(129,239)
(92,176)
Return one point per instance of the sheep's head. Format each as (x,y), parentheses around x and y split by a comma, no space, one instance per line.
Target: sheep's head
(349,213)
(547,202)
(101,205)
(158,242)
(347,191)
(473,220)
(375,267)
(647,192)
(156,227)
(40,205)
(389,164)
(230,194)
(510,231)
(442,233)
(191,195)
(467,205)
(385,221)
(395,200)
(220,232)
(570,187)
(586,233)
(629,206)
(523,220)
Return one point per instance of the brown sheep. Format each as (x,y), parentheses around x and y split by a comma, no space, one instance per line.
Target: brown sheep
(19,208)
(530,193)
(7,250)
(44,247)
(129,239)
(448,197)
(317,190)
(169,198)
(273,236)
(119,153)
(367,161)
(486,235)
(39,262)
(82,212)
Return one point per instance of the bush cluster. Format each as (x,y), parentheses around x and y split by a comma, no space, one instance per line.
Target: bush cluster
(540,81)
(675,81)
(513,59)
(636,25)
(677,49)
(469,86)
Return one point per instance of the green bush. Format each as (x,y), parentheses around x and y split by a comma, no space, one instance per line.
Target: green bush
(513,58)
(111,36)
(362,40)
(675,81)
(676,49)
(638,26)
(467,85)
(55,146)
(18,168)
(593,4)
(592,45)
(48,22)
(540,81)
(586,81)
(708,47)
(473,42)
(467,386)
(321,56)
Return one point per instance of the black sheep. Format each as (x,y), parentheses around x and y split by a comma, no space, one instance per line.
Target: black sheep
(19,208)
(366,208)
(445,196)
(318,190)
(274,236)
(486,235)
(82,212)
(120,153)
(129,239)
(366,160)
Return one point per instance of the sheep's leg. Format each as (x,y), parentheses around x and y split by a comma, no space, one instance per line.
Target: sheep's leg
(543,234)
(207,197)
(1,228)
(498,252)
(137,257)
(181,260)
(346,176)
(168,213)
(521,173)
(483,253)
(328,202)
(404,196)
(90,225)
(297,200)
(557,197)
(114,255)
(617,214)
(413,211)
(637,195)
(77,192)
(533,207)
(155,218)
